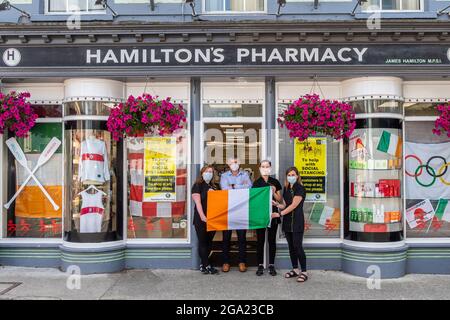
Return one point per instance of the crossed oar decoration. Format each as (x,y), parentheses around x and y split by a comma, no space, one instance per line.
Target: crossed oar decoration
(17,152)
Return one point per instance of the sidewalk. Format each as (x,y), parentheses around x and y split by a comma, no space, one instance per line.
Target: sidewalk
(188,284)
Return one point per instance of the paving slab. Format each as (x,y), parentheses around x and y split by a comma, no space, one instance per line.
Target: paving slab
(53,284)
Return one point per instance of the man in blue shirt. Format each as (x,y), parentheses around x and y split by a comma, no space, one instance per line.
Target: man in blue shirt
(234,179)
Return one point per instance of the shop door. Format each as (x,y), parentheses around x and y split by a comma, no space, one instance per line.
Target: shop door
(244,141)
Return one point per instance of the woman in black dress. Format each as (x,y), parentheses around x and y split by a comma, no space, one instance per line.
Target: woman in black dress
(294,222)
(200,189)
(266,180)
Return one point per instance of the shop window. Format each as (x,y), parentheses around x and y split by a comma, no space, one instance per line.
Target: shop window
(393,5)
(377,106)
(322,218)
(374,198)
(70,6)
(93,193)
(32,215)
(232,110)
(427,158)
(420,109)
(157,186)
(48,111)
(234,5)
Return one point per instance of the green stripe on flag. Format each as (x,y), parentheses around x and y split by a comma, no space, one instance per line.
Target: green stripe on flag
(259,208)
(316,212)
(442,210)
(383,144)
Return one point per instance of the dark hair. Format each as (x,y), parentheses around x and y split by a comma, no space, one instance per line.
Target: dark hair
(200,179)
(299,179)
(268,161)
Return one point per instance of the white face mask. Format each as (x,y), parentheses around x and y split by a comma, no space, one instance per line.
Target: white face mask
(207,176)
(265,171)
(234,167)
(292,179)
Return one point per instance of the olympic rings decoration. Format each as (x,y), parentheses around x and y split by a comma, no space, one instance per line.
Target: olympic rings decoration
(420,163)
(429,169)
(428,166)
(423,184)
(439,172)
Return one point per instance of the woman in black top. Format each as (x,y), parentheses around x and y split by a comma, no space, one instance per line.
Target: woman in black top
(294,222)
(200,196)
(266,180)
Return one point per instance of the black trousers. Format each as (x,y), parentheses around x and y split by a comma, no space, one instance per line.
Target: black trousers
(205,240)
(242,245)
(271,239)
(296,252)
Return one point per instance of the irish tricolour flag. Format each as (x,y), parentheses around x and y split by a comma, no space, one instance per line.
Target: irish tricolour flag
(239,209)
(443,210)
(390,143)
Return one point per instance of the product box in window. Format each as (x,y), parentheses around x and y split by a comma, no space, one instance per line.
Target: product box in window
(179,227)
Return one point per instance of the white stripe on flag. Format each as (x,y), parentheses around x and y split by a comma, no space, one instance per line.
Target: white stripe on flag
(50,174)
(393,142)
(327,213)
(238,209)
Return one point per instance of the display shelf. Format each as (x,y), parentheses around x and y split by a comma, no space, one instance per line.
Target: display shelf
(375,178)
(376,227)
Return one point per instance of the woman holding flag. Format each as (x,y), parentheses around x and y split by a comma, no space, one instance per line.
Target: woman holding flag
(265,180)
(200,189)
(293,222)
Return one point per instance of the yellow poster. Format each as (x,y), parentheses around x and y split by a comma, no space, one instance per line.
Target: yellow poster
(310,158)
(160,168)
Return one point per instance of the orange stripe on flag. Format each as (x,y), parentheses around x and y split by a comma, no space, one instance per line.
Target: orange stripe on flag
(217,212)
(398,150)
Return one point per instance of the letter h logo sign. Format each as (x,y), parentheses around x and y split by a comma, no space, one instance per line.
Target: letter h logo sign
(11,57)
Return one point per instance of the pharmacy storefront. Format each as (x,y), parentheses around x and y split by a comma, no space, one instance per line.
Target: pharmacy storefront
(72,195)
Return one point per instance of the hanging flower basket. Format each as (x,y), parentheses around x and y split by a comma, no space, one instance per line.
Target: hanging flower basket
(442,123)
(310,115)
(145,114)
(16,114)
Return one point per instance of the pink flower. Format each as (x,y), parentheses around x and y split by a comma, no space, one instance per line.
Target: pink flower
(145,114)
(310,115)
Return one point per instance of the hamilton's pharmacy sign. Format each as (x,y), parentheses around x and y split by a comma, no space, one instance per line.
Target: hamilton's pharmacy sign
(224,55)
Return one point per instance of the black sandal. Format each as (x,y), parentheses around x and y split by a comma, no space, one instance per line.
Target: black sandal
(291,274)
(302,278)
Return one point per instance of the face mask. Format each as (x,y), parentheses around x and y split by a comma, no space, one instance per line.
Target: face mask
(207,176)
(265,171)
(292,179)
(234,167)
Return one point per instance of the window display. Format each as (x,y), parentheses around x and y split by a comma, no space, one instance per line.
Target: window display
(157,179)
(92,194)
(427,158)
(374,210)
(35,183)
(322,206)
(377,106)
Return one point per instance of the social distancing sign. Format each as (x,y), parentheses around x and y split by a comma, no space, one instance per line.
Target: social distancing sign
(310,158)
